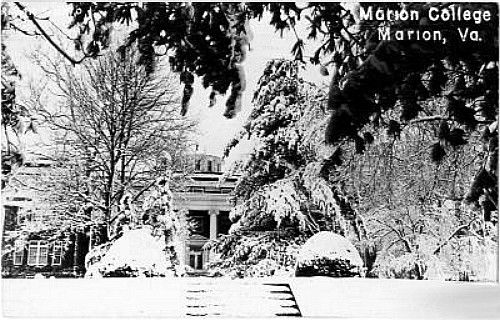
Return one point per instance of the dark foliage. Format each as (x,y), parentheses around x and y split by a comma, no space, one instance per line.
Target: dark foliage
(388,62)
(12,112)
(437,152)
(483,180)
(327,267)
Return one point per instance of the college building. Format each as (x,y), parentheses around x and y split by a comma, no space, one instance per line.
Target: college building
(37,238)
(54,249)
(207,198)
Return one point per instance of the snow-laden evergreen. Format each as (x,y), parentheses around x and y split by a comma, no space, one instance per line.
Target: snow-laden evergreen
(283,184)
(285,196)
(144,246)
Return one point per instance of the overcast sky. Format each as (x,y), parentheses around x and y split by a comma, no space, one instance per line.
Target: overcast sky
(215,130)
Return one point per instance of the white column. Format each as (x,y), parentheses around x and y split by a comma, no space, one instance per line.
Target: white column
(183,253)
(213,224)
(213,230)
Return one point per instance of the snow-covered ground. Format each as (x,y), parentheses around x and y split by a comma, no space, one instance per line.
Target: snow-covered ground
(397,299)
(318,296)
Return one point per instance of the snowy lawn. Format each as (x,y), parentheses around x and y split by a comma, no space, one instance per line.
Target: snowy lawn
(377,298)
(316,296)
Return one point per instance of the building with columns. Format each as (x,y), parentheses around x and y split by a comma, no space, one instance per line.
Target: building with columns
(207,198)
(204,194)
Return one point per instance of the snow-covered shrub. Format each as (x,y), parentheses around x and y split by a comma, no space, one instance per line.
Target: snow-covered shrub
(136,253)
(328,254)
(264,268)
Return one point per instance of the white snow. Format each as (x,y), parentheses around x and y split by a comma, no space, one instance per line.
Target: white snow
(316,297)
(329,245)
(137,249)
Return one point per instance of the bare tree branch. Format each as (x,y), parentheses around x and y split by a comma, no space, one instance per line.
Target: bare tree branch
(33,19)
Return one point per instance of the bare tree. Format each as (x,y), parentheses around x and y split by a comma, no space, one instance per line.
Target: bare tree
(118,129)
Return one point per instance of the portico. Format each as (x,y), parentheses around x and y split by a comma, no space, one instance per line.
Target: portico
(207,198)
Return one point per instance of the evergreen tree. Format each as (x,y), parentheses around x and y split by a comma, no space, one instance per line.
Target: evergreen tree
(285,195)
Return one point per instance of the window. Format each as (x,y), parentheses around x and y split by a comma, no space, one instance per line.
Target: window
(197,166)
(209,166)
(38,252)
(196,260)
(57,253)
(197,257)
(19,254)
(18,257)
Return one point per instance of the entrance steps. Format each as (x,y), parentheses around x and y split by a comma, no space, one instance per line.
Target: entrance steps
(213,298)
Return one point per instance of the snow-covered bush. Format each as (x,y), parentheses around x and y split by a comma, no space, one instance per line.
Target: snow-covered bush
(264,268)
(136,253)
(328,254)
(146,246)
